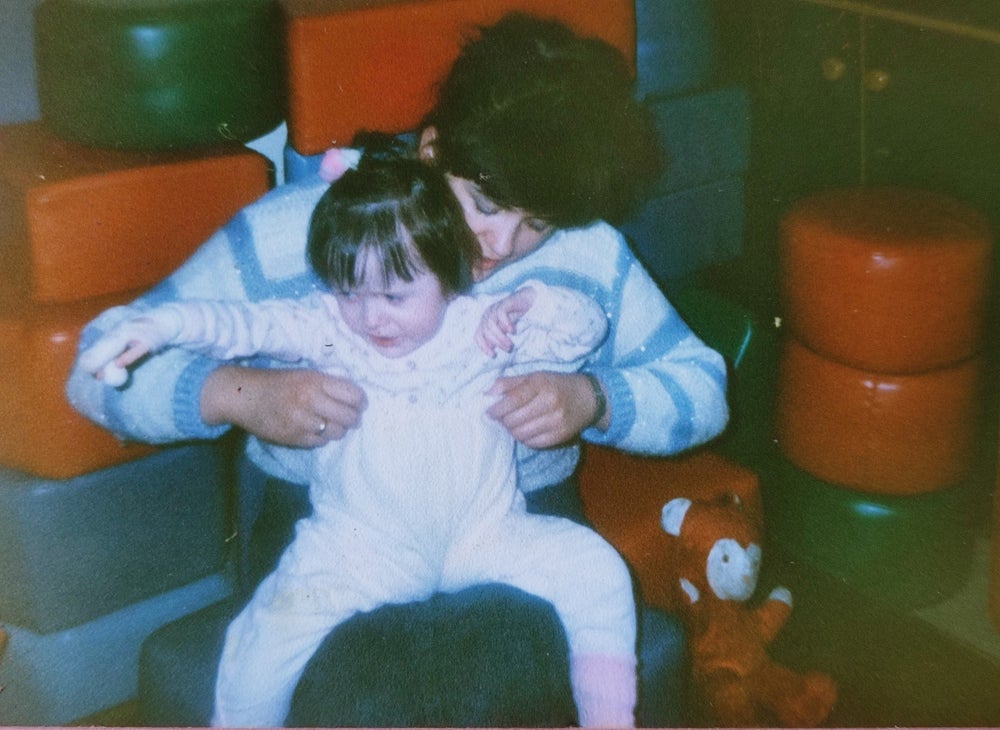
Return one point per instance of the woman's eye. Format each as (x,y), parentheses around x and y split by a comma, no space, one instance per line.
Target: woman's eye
(485,205)
(537,225)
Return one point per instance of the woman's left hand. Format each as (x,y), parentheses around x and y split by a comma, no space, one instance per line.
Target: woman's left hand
(545,409)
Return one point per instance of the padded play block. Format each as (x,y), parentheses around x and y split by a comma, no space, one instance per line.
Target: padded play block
(160,74)
(72,550)
(750,346)
(623,495)
(886,279)
(40,432)
(344,69)
(676,46)
(907,551)
(79,222)
(677,234)
(884,434)
(57,679)
(705,137)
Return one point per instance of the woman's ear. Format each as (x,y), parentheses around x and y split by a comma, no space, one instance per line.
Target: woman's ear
(427,151)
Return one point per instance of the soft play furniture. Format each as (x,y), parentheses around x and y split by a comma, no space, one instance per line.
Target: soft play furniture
(75,549)
(58,678)
(884,434)
(905,551)
(159,74)
(40,433)
(886,279)
(85,222)
(624,493)
(717,549)
(389,54)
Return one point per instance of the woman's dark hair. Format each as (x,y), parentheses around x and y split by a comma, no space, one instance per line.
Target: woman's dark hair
(401,210)
(545,121)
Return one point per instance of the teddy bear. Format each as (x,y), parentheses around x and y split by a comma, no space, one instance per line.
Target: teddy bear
(717,559)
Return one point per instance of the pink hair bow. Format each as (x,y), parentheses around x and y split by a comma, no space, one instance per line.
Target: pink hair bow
(338,160)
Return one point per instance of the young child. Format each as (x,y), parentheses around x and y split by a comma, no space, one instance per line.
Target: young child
(422,496)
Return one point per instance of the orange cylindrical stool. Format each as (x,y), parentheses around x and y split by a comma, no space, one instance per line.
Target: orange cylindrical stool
(886,279)
(883,434)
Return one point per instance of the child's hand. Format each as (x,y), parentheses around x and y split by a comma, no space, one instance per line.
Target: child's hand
(108,358)
(500,321)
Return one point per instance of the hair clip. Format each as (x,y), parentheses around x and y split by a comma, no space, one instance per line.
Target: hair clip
(338,160)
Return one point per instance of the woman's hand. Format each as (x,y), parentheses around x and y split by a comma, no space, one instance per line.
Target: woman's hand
(302,408)
(545,409)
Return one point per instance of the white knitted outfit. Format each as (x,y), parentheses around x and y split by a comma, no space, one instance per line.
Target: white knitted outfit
(421,498)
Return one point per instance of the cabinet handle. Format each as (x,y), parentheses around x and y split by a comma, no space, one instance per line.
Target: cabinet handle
(833,68)
(876,79)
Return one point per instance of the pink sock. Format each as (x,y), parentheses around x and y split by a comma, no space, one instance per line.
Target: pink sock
(604,689)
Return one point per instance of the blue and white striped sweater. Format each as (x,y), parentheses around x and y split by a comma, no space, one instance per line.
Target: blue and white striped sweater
(666,389)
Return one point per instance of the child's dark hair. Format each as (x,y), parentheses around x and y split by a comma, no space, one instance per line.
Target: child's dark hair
(402,211)
(545,121)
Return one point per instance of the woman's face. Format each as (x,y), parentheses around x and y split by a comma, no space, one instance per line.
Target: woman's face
(504,234)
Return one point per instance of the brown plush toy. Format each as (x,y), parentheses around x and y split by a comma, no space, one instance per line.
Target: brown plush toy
(718,557)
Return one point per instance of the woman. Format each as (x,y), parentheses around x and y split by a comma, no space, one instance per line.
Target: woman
(543,146)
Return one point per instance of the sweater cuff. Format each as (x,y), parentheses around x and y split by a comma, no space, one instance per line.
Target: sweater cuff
(187,400)
(620,404)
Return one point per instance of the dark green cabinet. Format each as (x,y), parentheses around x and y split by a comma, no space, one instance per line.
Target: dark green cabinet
(849,93)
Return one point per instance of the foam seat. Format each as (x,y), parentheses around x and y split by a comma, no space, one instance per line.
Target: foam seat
(63,677)
(86,222)
(886,279)
(623,496)
(159,74)
(906,551)
(40,433)
(75,549)
(363,84)
(884,434)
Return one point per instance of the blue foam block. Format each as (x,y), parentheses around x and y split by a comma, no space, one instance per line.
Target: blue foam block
(72,550)
(56,679)
(676,45)
(682,232)
(705,136)
(299,166)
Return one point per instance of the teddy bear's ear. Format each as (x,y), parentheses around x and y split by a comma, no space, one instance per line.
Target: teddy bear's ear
(672,515)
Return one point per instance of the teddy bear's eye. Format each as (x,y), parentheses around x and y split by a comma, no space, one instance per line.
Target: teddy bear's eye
(725,558)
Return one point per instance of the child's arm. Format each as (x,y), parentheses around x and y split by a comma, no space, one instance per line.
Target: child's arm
(280,329)
(543,324)
(499,321)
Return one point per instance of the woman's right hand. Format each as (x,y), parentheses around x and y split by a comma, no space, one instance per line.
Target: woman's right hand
(302,408)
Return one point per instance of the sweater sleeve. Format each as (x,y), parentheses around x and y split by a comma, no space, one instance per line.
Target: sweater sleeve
(259,254)
(666,388)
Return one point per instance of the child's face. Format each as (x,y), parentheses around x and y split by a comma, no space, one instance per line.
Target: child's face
(394,317)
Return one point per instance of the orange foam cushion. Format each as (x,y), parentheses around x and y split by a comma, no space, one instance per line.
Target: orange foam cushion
(40,433)
(356,64)
(81,222)
(886,279)
(883,434)
(623,495)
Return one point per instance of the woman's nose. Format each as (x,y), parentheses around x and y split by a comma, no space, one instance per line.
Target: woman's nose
(498,238)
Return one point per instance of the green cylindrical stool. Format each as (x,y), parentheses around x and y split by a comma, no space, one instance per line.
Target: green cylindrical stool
(160,74)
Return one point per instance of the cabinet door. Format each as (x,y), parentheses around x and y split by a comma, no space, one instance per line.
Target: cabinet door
(933,112)
(805,115)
